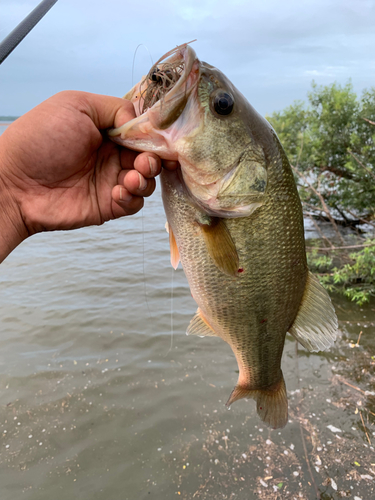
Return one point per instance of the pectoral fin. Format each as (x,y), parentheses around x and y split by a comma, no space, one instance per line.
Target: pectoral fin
(199,326)
(220,246)
(315,326)
(175,254)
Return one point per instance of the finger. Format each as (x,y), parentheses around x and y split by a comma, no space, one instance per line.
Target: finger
(148,164)
(135,183)
(124,202)
(170,165)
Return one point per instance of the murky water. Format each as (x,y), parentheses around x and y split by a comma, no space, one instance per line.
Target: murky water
(99,401)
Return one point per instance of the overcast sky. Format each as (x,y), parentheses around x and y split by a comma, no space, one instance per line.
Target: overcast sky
(270,49)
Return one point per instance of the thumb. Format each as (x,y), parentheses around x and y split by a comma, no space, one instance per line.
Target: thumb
(105,111)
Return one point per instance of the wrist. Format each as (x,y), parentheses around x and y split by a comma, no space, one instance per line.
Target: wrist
(12,227)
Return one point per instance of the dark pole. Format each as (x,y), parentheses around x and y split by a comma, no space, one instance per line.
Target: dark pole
(25,26)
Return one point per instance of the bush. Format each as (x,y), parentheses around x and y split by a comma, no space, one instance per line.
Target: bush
(354,279)
(330,143)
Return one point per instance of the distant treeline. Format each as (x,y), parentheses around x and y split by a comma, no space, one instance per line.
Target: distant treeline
(8,118)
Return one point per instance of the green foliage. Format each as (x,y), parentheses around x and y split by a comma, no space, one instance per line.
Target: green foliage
(319,262)
(357,279)
(354,279)
(330,142)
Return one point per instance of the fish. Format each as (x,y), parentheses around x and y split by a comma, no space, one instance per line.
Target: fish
(235,222)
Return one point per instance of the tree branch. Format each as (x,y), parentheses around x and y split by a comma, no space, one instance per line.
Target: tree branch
(364,221)
(324,205)
(361,164)
(320,232)
(321,249)
(369,121)
(339,172)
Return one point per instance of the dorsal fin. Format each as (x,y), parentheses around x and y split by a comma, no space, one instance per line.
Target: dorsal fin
(199,326)
(315,326)
(220,246)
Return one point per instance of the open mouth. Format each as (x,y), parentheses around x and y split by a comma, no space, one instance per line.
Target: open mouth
(161,96)
(165,76)
(160,80)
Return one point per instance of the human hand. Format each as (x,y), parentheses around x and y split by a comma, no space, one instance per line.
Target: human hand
(57,171)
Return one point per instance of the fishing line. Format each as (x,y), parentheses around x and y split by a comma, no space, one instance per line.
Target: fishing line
(170,347)
(142,211)
(317,492)
(143,264)
(135,53)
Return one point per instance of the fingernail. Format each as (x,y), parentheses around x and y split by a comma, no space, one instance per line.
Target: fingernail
(153,165)
(142,182)
(125,195)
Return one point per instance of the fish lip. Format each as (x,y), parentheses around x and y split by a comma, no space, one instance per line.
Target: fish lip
(187,82)
(187,55)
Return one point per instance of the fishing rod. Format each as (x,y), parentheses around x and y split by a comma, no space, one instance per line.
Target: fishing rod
(18,34)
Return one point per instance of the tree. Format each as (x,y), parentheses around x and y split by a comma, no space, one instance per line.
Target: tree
(330,143)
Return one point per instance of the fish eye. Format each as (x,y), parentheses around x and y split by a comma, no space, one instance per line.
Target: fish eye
(223,103)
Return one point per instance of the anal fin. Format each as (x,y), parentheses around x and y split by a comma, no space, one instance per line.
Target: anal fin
(272,402)
(315,326)
(199,326)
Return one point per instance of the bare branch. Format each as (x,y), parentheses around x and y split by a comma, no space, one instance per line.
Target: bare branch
(359,218)
(369,121)
(364,427)
(346,247)
(324,205)
(320,232)
(312,207)
(361,164)
(343,381)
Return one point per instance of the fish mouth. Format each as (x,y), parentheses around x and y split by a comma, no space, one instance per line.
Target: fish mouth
(167,79)
(160,98)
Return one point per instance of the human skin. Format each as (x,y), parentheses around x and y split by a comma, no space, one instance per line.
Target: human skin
(59,171)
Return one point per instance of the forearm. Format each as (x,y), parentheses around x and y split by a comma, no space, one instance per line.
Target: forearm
(12,229)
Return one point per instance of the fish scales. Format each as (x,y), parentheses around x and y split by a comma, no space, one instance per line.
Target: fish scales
(235,222)
(259,304)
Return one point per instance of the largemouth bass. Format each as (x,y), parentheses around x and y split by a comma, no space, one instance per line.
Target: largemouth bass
(235,221)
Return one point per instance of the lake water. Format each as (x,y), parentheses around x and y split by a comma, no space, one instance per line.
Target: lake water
(104,397)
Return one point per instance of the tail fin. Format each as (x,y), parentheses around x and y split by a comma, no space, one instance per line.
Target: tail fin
(272,403)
